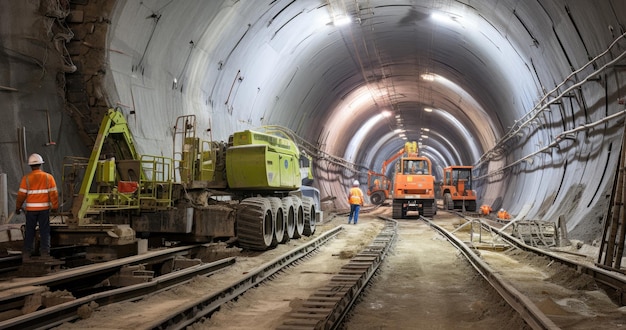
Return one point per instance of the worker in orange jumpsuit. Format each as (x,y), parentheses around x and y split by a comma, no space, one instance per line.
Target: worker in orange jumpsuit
(355,198)
(485,209)
(38,194)
(503,214)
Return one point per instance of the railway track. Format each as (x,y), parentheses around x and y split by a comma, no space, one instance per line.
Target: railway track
(22,292)
(329,300)
(549,290)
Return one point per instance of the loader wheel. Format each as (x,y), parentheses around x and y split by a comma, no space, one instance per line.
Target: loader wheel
(308,207)
(377,198)
(279,220)
(255,224)
(290,219)
(448,203)
(299,215)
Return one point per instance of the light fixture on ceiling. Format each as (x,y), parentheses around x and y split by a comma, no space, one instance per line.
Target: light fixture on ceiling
(424,136)
(341,20)
(425,129)
(386,113)
(428,109)
(428,76)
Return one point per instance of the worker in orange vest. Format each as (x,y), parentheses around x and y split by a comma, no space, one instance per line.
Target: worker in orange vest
(503,214)
(485,209)
(355,198)
(38,194)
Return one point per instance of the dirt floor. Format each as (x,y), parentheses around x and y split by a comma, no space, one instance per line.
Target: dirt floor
(422,284)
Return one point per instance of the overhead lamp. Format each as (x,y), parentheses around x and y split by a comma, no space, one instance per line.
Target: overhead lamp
(386,113)
(398,130)
(428,76)
(424,136)
(428,109)
(340,20)
(426,129)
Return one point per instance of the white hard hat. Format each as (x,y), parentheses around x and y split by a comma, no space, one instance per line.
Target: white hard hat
(355,183)
(35,159)
(501,209)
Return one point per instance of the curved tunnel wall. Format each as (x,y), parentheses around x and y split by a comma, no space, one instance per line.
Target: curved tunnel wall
(513,77)
(282,63)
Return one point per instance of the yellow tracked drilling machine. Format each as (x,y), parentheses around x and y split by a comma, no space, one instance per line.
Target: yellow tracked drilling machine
(246,191)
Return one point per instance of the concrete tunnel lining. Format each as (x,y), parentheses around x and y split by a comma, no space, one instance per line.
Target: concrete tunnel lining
(240,65)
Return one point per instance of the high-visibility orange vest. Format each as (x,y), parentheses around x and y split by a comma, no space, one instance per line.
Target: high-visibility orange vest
(503,215)
(355,196)
(38,191)
(485,209)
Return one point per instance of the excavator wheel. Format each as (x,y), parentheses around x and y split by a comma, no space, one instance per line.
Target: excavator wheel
(290,219)
(299,216)
(308,207)
(279,220)
(377,198)
(255,224)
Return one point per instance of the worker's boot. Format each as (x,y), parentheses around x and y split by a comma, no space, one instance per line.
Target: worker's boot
(26,257)
(45,255)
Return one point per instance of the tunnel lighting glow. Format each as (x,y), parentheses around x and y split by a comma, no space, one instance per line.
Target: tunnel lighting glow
(398,130)
(424,136)
(398,116)
(386,113)
(426,129)
(444,18)
(428,77)
(428,109)
(341,20)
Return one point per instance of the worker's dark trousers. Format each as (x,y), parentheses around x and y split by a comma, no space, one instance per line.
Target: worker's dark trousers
(32,219)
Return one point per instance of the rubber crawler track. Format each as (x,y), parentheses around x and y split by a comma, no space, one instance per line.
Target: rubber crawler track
(328,306)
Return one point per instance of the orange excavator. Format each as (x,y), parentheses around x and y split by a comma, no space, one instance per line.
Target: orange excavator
(457,188)
(413,187)
(379,185)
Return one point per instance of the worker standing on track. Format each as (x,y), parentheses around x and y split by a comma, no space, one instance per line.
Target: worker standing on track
(355,198)
(38,193)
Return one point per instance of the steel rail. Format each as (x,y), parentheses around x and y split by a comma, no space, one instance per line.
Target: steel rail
(66,312)
(191,312)
(614,280)
(531,314)
(76,274)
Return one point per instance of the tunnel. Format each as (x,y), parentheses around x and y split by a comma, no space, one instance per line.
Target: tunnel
(528,92)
